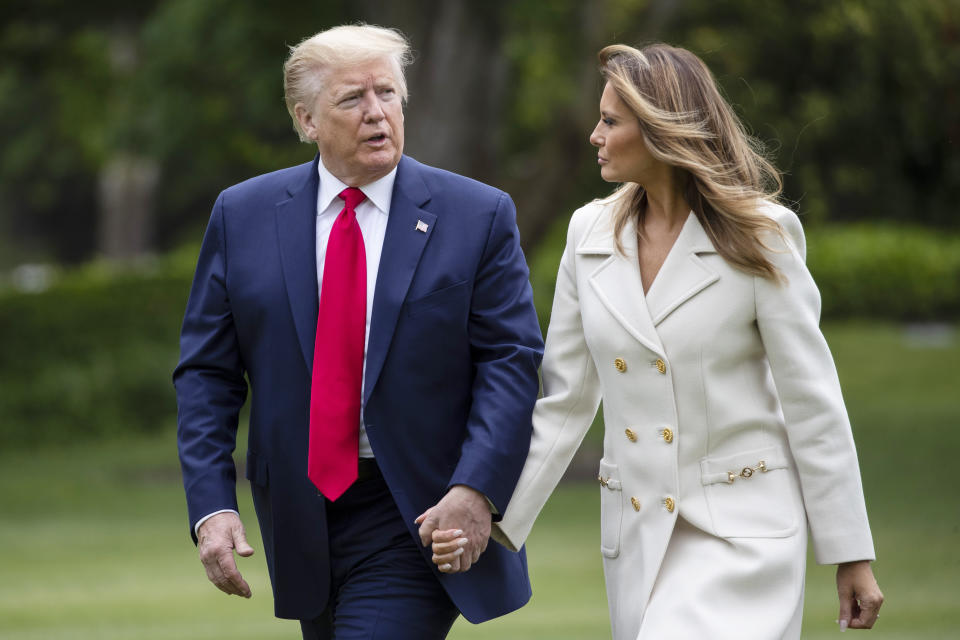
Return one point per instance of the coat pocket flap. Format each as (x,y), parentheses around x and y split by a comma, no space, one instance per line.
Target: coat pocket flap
(256,471)
(609,476)
(741,466)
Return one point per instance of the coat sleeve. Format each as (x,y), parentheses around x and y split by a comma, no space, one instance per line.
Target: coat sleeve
(818,429)
(505,348)
(209,382)
(562,417)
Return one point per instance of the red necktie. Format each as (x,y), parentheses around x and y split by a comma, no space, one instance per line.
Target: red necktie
(335,389)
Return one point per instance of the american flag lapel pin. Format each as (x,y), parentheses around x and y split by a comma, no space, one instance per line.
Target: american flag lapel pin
(422,226)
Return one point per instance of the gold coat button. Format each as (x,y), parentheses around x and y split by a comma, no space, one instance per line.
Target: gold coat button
(631,435)
(661,365)
(667,435)
(620,364)
(635,503)
(669,504)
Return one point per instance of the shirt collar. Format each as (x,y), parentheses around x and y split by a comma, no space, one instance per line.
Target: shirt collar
(379,192)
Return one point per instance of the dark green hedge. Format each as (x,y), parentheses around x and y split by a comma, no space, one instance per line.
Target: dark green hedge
(890,272)
(865,271)
(92,355)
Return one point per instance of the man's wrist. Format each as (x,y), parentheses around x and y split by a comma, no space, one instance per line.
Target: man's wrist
(196,527)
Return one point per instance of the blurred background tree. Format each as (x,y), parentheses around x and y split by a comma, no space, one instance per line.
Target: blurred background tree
(119,122)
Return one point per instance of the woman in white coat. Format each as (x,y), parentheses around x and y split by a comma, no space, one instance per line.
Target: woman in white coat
(683,301)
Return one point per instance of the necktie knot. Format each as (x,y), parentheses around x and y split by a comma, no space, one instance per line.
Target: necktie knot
(352,196)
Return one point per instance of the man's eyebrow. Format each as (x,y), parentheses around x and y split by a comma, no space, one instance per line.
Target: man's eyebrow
(345,90)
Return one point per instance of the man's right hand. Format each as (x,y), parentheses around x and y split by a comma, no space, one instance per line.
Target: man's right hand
(218,538)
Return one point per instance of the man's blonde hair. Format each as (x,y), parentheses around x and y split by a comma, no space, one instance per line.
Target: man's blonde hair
(336,48)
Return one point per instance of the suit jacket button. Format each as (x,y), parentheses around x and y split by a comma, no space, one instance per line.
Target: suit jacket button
(635,503)
(669,504)
(631,435)
(661,365)
(667,435)
(620,364)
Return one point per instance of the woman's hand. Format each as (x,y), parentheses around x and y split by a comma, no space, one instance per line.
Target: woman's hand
(860,596)
(448,546)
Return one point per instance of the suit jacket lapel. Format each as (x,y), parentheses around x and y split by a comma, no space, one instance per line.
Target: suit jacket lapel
(403,244)
(297,233)
(616,281)
(683,274)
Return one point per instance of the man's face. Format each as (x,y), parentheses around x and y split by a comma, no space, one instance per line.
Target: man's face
(357,121)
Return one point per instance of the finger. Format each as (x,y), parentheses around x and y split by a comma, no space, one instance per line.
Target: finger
(847,604)
(420,518)
(427,527)
(451,567)
(446,535)
(447,558)
(214,574)
(868,614)
(235,584)
(240,543)
(441,548)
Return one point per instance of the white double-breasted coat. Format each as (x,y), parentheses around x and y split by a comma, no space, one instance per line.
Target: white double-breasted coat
(721,407)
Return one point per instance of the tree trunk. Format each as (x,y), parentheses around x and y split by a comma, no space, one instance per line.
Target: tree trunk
(127,190)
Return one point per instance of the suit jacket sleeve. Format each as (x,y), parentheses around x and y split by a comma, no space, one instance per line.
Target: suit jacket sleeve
(561,419)
(209,382)
(506,347)
(818,429)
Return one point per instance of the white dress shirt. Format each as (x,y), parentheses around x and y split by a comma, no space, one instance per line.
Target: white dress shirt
(372,218)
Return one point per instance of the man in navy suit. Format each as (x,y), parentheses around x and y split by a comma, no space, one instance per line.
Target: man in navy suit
(380,312)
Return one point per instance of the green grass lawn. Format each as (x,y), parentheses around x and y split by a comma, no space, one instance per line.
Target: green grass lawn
(94,543)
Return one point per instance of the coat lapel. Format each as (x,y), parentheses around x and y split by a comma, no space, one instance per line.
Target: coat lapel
(403,244)
(683,274)
(616,281)
(297,233)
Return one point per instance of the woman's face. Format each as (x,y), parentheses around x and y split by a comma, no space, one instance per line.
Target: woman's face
(621,152)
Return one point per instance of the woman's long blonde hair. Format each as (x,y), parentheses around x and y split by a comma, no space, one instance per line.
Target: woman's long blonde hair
(687,124)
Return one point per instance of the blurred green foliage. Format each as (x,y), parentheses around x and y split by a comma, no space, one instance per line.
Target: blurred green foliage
(92,355)
(858,101)
(879,271)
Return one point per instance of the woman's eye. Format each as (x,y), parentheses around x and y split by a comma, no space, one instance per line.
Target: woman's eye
(608,121)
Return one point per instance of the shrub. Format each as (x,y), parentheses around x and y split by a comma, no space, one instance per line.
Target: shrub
(92,355)
(888,272)
(871,271)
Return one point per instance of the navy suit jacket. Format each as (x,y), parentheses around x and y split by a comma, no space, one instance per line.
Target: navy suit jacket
(450,382)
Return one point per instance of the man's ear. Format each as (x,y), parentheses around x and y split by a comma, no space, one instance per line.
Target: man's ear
(305,118)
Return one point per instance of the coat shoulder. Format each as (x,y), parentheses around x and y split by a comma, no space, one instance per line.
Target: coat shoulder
(789,224)
(271,187)
(446,185)
(592,222)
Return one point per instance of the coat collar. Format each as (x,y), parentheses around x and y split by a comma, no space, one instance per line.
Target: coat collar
(617,283)
(409,228)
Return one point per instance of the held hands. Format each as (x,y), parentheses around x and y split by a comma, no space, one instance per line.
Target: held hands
(459,528)
(218,538)
(860,596)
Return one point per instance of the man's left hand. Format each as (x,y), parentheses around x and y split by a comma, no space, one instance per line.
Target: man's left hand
(464,509)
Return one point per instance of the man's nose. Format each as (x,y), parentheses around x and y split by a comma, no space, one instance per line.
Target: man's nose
(372,109)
